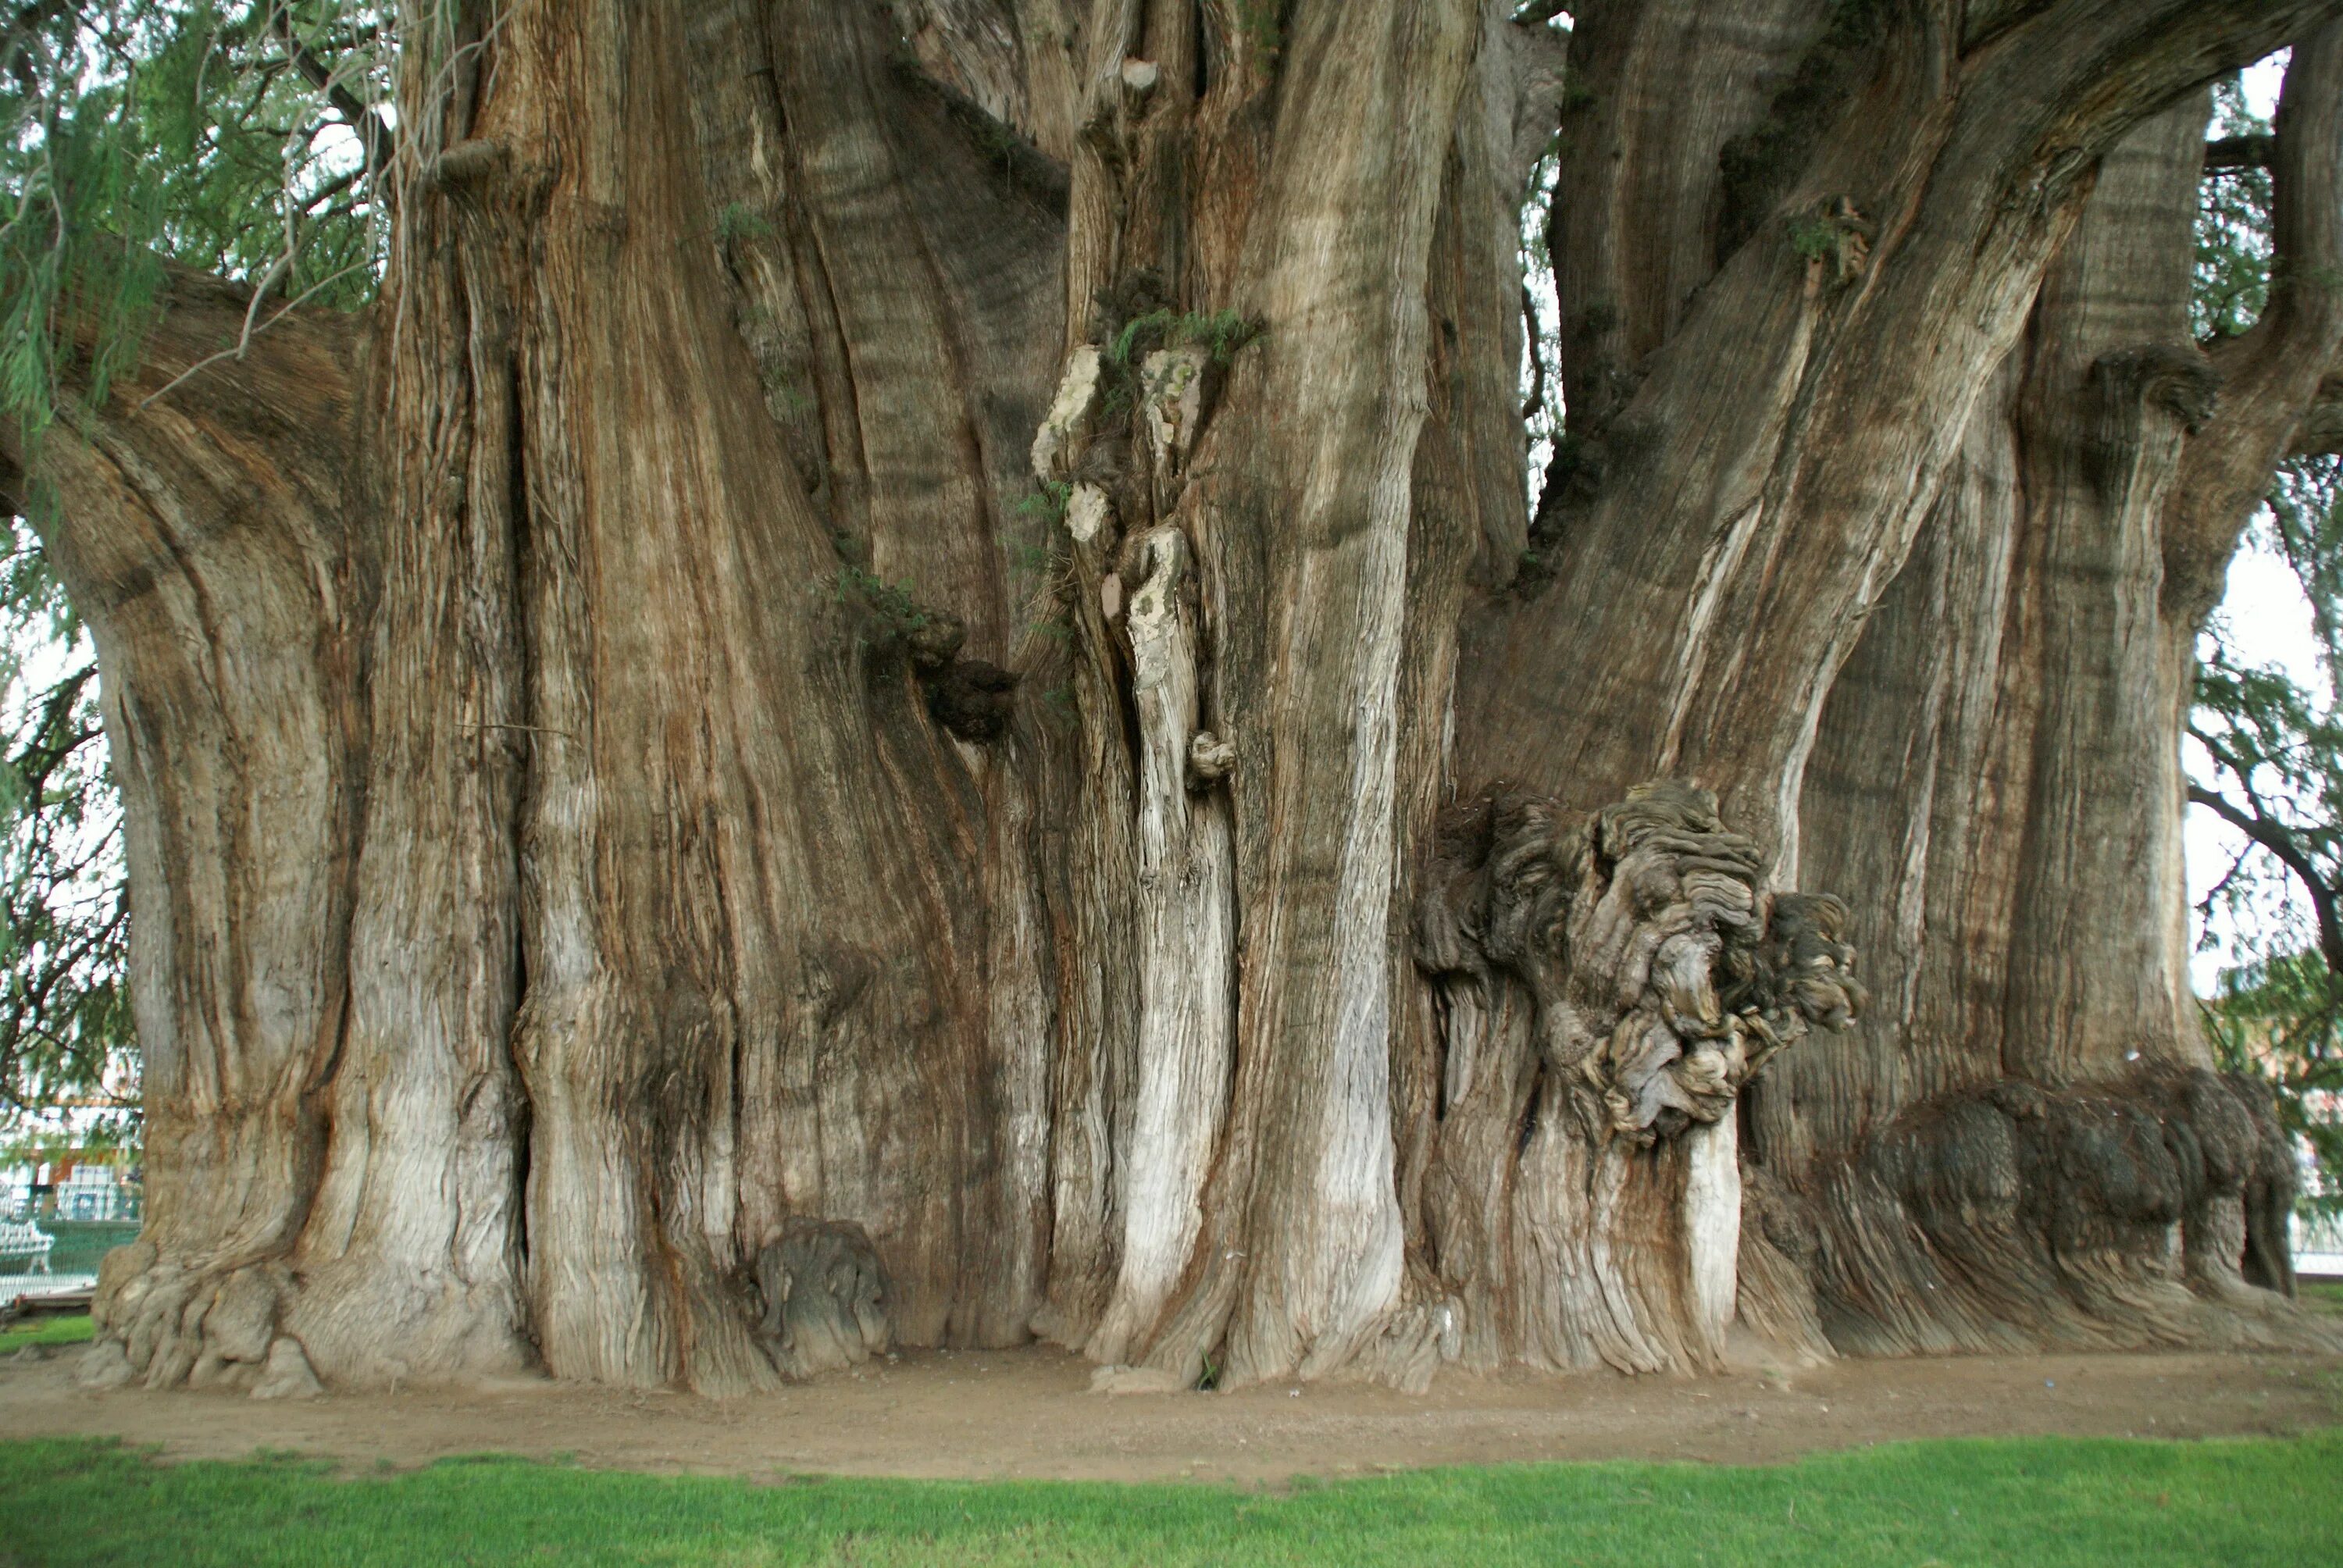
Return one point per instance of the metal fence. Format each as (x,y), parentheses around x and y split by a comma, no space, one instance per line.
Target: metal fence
(2318,1243)
(92,1193)
(74,1247)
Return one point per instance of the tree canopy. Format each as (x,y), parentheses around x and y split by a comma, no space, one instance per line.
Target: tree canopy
(2265,747)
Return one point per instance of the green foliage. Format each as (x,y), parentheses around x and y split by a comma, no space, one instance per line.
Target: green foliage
(2050,1503)
(2267,757)
(1222,332)
(891,601)
(2233,230)
(1813,238)
(890,605)
(1049,501)
(2282,1020)
(1262,27)
(64,1015)
(738,220)
(225,137)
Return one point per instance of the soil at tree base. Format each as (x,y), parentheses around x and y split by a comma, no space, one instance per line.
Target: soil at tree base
(1028,1413)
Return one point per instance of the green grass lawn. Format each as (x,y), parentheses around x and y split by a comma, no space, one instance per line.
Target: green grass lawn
(2041,1503)
(2326,1295)
(74,1331)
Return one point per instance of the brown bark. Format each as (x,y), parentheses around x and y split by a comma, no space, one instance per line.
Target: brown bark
(902,691)
(1743,524)
(228,601)
(2029,1146)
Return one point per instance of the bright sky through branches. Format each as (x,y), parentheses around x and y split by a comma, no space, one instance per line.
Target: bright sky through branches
(2267,620)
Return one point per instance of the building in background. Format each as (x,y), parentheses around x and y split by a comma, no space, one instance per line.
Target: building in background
(77,1184)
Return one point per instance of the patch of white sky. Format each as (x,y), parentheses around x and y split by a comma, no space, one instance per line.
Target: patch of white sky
(2266,621)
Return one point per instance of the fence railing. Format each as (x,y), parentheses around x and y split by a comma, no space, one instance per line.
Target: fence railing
(2322,1234)
(71,1203)
(74,1247)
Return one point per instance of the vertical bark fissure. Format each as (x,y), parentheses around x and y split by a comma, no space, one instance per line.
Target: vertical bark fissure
(2056,1165)
(738,972)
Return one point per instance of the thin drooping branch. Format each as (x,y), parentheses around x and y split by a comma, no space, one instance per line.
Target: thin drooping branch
(374,133)
(253,324)
(2280,840)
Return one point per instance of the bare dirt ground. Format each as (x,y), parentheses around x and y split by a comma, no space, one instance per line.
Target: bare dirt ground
(1029,1413)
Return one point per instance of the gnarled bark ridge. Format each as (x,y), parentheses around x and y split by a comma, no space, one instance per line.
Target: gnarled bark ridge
(866,710)
(1605,989)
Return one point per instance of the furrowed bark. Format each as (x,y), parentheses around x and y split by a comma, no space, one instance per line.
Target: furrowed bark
(1814,428)
(1744,523)
(1913,802)
(410,1265)
(753,859)
(2041,1154)
(2113,389)
(2060,493)
(909,697)
(1187,976)
(228,594)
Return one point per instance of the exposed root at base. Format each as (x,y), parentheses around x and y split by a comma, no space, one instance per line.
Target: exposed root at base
(2144,1212)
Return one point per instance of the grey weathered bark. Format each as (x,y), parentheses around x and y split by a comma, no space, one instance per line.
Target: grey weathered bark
(902,691)
(2055,1160)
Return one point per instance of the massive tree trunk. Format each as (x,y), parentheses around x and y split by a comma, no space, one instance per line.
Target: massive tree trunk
(901,692)
(2026,1144)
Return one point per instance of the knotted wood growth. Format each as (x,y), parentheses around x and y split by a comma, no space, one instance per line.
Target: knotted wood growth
(1606,987)
(2148,1209)
(841,723)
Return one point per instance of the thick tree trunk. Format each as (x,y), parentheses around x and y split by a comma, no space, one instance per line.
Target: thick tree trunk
(901,692)
(229,600)
(2027,1144)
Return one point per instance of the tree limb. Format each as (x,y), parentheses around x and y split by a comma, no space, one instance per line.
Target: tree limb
(2279,841)
(1537,397)
(2320,431)
(2271,375)
(2225,155)
(373,132)
(253,326)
